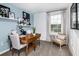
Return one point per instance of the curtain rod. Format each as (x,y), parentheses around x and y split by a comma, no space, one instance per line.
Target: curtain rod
(57,10)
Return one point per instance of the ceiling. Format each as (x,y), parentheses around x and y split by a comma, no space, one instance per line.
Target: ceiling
(41,7)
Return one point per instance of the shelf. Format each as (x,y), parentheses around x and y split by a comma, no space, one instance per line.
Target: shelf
(24,25)
(12,20)
(7,19)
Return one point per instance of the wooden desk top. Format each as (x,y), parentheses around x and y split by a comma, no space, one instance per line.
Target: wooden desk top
(25,39)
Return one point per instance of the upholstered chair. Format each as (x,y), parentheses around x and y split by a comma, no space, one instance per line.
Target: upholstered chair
(59,39)
(29,31)
(16,42)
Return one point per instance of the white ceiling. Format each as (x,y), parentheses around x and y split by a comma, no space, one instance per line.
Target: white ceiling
(41,7)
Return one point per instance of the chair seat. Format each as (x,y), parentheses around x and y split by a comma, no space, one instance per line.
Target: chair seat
(22,46)
(16,42)
(59,41)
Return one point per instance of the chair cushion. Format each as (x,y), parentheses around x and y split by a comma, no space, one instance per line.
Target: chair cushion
(29,31)
(22,46)
(61,36)
(16,41)
(59,41)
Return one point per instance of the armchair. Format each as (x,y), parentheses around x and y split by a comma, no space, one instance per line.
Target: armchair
(60,39)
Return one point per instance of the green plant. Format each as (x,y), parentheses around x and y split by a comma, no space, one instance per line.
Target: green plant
(0,13)
(34,29)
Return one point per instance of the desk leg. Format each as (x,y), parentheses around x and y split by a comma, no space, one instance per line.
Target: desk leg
(39,41)
(34,48)
(27,50)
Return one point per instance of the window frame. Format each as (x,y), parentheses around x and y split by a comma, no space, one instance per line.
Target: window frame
(52,32)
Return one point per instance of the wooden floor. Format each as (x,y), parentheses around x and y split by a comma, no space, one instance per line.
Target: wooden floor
(45,49)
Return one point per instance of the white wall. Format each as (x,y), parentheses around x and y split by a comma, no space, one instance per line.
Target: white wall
(73,35)
(40,22)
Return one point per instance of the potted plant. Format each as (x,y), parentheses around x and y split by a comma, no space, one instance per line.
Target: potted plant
(34,29)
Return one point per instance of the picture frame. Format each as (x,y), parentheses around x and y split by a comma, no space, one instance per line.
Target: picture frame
(4,11)
(73,16)
(78,16)
(11,15)
(26,15)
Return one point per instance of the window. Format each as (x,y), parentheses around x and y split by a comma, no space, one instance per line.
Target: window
(55,23)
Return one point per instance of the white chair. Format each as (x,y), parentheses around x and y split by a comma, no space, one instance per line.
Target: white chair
(29,31)
(60,39)
(16,42)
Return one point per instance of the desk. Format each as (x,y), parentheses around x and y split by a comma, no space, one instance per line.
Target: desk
(29,38)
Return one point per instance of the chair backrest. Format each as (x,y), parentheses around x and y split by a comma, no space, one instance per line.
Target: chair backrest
(62,36)
(29,31)
(13,32)
(15,40)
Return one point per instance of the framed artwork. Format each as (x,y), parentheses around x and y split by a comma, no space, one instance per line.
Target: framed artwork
(78,16)
(11,15)
(26,15)
(73,16)
(4,11)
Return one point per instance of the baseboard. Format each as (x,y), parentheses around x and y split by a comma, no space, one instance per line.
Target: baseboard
(4,51)
(44,40)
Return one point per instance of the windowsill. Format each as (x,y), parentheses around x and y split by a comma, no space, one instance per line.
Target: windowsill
(53,33)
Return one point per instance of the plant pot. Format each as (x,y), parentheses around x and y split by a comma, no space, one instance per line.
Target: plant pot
(34,34)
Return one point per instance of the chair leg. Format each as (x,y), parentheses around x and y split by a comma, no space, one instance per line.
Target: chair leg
(60,47)
(10,46)
(34,48)
(28,48)
(39,42)
(18,52)
(26,51)
(12,51)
